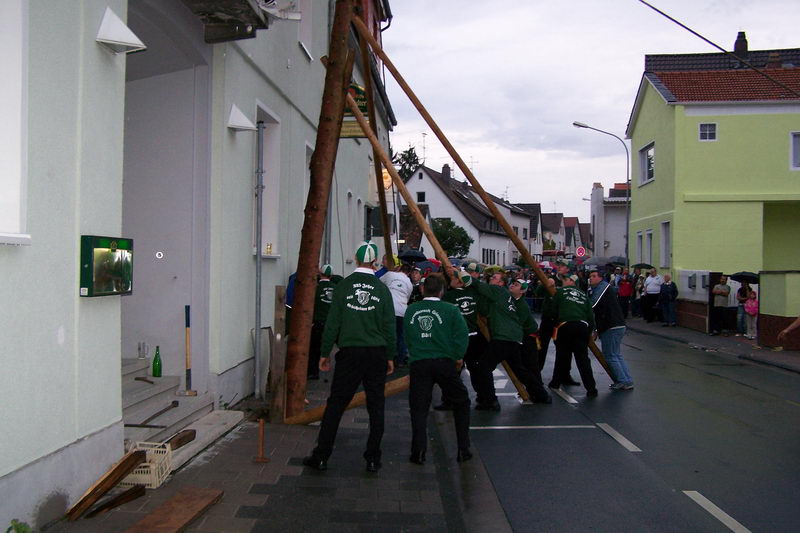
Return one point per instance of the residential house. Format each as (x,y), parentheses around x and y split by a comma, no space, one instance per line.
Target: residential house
(446,197)
(553,235)
(716,163)
(572,236)
(585,230)
(534,231)
(158,147)
(609,219)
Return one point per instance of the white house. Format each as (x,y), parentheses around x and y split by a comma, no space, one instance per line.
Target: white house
(608,219)
(158,147)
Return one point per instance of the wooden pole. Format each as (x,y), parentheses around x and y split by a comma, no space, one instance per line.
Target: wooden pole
(364,32)
(366,65)
(261,458)
(322,165)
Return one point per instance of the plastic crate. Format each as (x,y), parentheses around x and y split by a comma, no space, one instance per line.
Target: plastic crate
(154,470)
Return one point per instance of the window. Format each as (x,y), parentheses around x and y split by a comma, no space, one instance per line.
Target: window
(420,175)
(524,233)
(420,197)
(649,238)
(13,127)
(516,230)
(647,164)
(639,256)
(666,245)
(708,132)
(369,229)
(795,149)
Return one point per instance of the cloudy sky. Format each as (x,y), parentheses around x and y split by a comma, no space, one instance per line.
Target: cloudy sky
(505,81)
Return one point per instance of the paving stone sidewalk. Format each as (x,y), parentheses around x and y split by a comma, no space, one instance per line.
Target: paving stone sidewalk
(731,344)
(282,495)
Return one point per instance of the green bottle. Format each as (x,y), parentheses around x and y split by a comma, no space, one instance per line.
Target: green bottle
(157,363)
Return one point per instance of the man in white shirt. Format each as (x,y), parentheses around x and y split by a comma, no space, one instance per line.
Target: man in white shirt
(652,290)
(401,288)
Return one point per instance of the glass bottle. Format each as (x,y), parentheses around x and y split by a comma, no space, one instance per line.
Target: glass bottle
(157,363)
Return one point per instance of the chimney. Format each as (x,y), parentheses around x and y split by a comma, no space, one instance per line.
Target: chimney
(774,60)
(446,171)
(740,46)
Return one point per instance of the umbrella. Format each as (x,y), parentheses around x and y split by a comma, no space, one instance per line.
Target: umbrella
(644,266)
(749,277)
(455,261)
(511,267)
(617,259)
(412,256)
(426,266)
(546,264)
(598,260)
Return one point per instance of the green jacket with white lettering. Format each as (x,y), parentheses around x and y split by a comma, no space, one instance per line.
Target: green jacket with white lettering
(529,324)
(465,299)
(505,321)
(323,299)
(435,329)
(573,305)
(361,314)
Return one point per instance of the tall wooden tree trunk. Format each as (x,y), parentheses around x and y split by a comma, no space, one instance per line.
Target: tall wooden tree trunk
(322,165)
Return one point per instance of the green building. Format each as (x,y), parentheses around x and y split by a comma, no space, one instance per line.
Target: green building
(716,176)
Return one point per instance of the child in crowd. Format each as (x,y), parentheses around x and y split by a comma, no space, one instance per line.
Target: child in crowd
(751,314)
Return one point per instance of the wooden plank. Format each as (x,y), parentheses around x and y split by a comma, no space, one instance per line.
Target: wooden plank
(277,362)
(137,491)
(175,514)
(181,438)
(108,481)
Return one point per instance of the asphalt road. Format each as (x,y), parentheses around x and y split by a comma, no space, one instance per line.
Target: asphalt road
(705,442)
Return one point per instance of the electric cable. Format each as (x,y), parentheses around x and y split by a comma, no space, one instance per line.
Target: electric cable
(718,47)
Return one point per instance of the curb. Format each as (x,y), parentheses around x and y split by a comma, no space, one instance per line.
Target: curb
(745,356)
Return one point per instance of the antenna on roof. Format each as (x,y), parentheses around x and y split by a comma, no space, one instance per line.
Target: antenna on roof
(423,146)
(472,163)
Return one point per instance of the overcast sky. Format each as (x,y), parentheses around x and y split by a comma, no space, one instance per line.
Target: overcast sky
(505,81)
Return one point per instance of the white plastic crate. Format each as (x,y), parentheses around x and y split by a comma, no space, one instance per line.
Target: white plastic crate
(154,470)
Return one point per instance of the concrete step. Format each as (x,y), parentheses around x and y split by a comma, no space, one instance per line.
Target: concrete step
(209,429)
(132,368)
(189,409)
(139,396)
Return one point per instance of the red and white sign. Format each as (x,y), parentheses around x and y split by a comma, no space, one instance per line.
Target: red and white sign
(581,251)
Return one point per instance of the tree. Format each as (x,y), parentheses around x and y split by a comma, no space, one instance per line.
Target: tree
(453,238)
(407,160)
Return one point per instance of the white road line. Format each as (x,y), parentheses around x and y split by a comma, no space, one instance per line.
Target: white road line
(532,427)
(567,397)
(498,373)
(716,512)
(500,383)
(617,436)
(506,393)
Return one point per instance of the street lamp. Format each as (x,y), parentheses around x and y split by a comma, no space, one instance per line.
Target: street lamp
(627,181)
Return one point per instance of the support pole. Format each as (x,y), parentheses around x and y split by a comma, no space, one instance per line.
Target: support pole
(322,165)
(259,231)
(365,34)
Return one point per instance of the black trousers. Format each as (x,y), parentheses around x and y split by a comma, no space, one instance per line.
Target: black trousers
(424,373)
(649,302)
(475,351)
(573,339)
(313,349)
(511,353)
(355,366)
(624,303)
(716,318)
(545,334)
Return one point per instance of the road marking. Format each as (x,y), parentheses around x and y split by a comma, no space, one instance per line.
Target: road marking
(533,427)
(716,512)
(628,445)
(498,373)
(567,397)
(500,383)
(506,394)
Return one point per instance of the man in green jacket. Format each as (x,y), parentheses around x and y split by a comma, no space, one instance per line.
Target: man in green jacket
(361,323)
(575,324)
(437,337)
(322,304)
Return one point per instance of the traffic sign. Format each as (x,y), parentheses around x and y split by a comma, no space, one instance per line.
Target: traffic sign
(581,251)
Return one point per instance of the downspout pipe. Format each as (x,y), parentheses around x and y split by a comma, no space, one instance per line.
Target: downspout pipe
(259,231)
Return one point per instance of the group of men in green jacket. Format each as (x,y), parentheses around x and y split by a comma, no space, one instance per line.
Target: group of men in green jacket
(442,332)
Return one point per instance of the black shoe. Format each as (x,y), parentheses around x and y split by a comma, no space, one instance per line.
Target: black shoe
(315,462)
(373,465)
(418,458)
(544,399)
(571,382)
(494,406)
(463,455)
(443,407)
(554,384)
(591,393)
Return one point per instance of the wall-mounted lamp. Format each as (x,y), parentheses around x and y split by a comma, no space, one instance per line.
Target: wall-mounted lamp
(237,120)
(116,36)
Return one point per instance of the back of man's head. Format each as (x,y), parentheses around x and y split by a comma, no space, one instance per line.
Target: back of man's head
(433,285)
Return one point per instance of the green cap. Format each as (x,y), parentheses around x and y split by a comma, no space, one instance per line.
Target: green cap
(326,270)
(472,267)
(465,278)
(367,252)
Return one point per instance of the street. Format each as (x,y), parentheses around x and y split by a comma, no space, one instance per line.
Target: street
(704,441)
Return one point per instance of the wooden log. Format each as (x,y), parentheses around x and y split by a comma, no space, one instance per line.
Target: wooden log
(364,32)
(391,388)
(323,162)
(277,362)
(137,491)
(175,514)
(107,481)
(181,438)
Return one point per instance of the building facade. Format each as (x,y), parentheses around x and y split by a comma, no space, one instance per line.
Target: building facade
(608,220)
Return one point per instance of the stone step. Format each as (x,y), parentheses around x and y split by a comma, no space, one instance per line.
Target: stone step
(189,409)
(209,429)
(132,368)
(140,396)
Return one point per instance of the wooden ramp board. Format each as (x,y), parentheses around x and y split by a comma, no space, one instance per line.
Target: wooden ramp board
(109,480)
(175,514)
